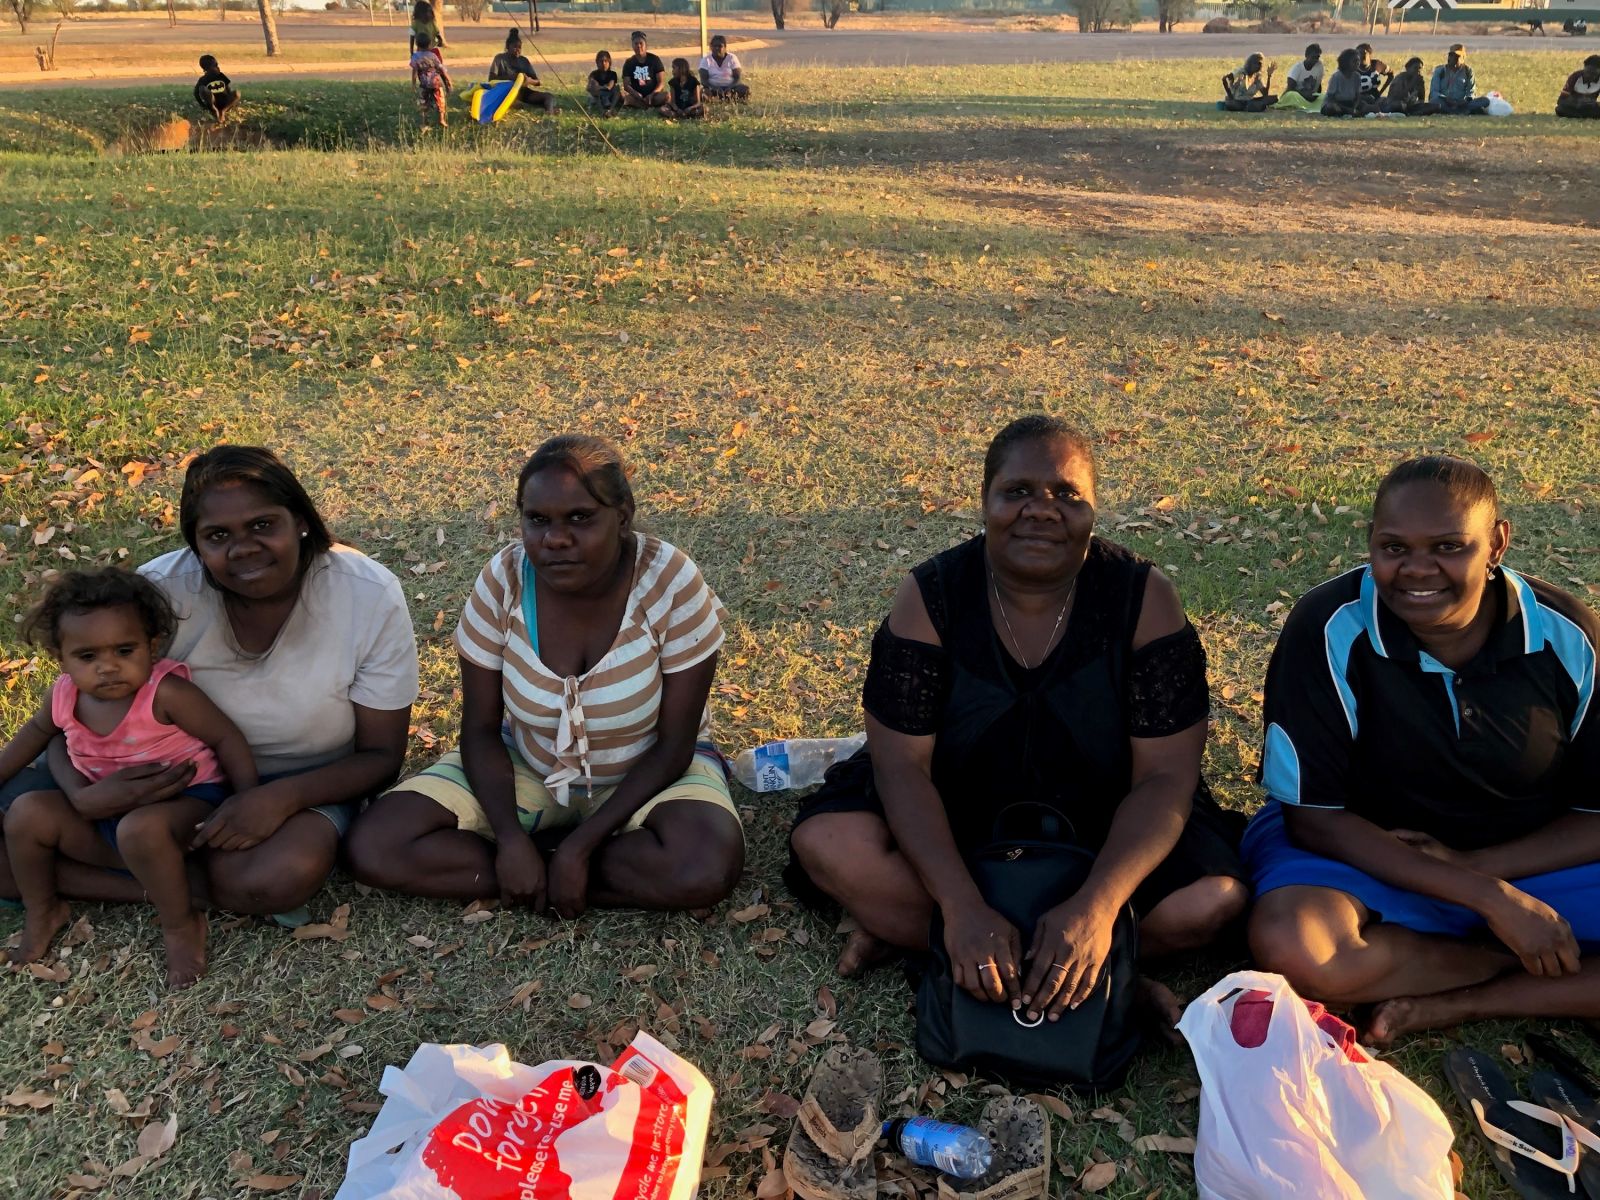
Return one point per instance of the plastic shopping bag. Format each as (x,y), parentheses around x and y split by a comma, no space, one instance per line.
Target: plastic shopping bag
(1499,106)
(1288,1108)
(468,1123)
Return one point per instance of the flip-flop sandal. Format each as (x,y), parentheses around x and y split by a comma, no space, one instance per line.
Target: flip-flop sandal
(1019,1132)
(829,1156)
(1534,1149)
(1557,1092)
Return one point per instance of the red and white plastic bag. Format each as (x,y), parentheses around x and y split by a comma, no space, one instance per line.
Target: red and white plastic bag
(1290,1106)
(468,1123)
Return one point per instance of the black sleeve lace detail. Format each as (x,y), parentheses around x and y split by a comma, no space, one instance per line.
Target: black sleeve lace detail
(1167,690)
(907,684)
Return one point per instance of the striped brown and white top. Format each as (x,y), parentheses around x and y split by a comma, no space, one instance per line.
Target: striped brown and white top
(588,730)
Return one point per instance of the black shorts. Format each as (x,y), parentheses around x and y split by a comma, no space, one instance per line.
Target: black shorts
(1209,844)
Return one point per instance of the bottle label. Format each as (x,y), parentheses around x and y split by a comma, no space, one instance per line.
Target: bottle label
(772,767)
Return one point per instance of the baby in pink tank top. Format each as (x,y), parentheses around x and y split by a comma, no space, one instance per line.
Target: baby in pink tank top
(119,704)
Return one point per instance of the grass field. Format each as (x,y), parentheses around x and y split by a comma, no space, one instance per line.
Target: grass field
(803,322)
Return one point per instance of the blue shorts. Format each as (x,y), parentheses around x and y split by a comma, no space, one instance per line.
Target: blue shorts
(212,793)
(37,778)
(1275,862)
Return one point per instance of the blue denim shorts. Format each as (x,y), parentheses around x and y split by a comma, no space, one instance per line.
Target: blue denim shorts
(37,778)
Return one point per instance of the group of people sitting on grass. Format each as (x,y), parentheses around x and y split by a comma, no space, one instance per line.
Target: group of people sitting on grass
(644,82)
(1361,85)
(230,720)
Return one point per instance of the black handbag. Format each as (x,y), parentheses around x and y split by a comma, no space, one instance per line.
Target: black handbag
(1029,867)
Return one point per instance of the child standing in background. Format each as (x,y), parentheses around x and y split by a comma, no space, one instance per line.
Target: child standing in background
(214,92)
(425,23)
(432,80)
(119,704)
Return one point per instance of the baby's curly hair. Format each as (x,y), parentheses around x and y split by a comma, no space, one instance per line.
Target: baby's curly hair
(85,591)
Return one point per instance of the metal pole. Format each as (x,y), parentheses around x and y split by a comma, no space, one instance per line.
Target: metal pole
(705,43)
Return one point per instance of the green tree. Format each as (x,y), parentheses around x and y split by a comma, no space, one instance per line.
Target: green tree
(1093,16)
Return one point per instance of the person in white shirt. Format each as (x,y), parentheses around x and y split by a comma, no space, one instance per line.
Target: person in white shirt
(720,73)
(1305,77)
(307,646)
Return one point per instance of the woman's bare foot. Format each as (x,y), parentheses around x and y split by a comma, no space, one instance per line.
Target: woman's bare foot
(186,951)
(39,929)
(1160,1007)
(861,953)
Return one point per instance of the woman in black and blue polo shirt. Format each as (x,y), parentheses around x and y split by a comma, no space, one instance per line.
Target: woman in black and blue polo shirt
(1431,839)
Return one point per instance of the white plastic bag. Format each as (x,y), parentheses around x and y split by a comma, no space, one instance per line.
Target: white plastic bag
(468,1123)
(1499,106)
(1295,1117)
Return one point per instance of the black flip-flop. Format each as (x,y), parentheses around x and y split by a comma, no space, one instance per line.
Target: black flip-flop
(1561,1095)
(1533,1148)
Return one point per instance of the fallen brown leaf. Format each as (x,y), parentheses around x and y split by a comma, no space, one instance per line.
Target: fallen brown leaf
(579,1000)
(1164,1143)
(271,1183)
(779,1105)
(156,1138)
(1097,1177)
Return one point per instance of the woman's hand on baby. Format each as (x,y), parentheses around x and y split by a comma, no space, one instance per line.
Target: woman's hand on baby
(240,822)
(130,788)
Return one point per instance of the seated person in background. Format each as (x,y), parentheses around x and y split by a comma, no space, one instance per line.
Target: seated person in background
(1408,93)
(720,72)
(605,93)
(1248,90)
(1305,77)
(1343,97)
(1453,89)
(683,92)
(510,63)
(214,91)
(1375,75)
(643,75)
(425,22)
(1580,97)
(1431,841)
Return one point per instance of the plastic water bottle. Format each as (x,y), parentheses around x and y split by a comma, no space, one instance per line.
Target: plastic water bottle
(957,1150)
(795,763)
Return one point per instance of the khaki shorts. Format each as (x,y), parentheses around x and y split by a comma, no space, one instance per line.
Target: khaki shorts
(445,783)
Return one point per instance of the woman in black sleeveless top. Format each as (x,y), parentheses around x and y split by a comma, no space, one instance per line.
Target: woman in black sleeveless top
(1035,662)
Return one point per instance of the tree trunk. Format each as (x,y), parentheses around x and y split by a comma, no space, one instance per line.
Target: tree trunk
(777,12)
(269,27)
(19,10)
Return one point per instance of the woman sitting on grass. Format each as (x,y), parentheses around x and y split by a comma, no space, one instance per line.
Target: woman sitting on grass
(1580,95)
(510,63)
(1343,97)
(1248,90)
(307,646)
(1408,93)
(587,654)
(1431,840)
(1034,662)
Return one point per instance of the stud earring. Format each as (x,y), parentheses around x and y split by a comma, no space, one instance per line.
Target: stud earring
(1491,570)
(303,533)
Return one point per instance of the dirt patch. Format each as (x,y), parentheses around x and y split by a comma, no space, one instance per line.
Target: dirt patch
(1299,179)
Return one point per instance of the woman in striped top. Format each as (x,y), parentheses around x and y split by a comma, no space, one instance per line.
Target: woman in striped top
(587,653)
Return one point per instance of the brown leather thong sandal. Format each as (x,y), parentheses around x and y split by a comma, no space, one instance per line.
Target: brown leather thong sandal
(830,1149)
(1019,1132)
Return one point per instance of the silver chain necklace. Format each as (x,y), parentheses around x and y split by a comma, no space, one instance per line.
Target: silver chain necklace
(1060,617)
